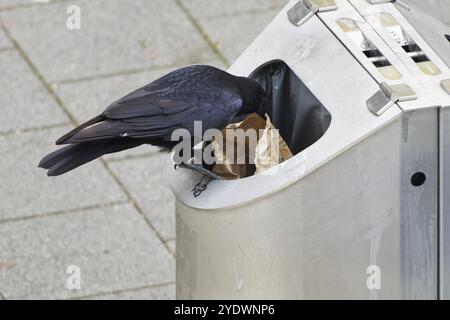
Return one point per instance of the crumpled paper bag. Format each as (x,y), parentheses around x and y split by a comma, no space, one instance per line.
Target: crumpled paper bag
(270,149)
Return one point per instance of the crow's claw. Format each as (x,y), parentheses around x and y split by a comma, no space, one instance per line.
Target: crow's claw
(207,176)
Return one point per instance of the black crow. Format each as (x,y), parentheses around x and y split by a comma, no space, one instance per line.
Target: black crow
(150,114)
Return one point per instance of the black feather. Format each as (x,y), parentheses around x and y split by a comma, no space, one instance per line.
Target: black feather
(75,155)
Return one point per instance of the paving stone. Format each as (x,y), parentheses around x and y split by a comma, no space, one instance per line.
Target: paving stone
(13,3)
(4,42)
(113,247)
(146,180)
(218,8)
(25,190)
(230,36)
(86,99)
(114,36)
(155,293)
(25,101)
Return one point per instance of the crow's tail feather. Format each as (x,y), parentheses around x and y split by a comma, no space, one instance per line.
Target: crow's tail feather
(75,155)
(89,123)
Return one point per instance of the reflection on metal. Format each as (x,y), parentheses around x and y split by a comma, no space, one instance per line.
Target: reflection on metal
(379,103)
(392,26)
(325,5)
(401,3)
(302,12)
(373,54)
(305,9)
(444,221)
(387,96)
(445,85)
(379,1)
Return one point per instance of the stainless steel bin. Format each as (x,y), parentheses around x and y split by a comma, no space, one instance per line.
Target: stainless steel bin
(369,186)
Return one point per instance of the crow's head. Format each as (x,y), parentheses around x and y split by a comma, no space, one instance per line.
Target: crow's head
(253,96)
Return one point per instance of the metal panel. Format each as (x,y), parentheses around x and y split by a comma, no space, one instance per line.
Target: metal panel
(429,91)
(316,238)
(432,30)
(445,204)
(313,240)
(419,205)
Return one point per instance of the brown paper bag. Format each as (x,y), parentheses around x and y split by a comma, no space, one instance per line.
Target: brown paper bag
(271,149)
(265,154)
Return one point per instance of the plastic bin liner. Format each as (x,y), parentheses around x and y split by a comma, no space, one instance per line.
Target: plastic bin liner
(293,109)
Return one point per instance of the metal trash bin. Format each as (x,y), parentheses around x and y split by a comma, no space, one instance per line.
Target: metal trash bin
(366,110)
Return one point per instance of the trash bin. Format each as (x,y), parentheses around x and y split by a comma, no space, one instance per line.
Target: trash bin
(362,209)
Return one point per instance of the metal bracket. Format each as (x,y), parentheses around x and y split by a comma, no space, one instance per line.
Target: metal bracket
(400,3)
(445,85)
(306,9)
(388,95)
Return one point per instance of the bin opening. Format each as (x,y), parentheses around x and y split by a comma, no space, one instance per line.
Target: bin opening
(294,110)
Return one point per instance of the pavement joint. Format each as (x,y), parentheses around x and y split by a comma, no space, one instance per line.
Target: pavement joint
(153,286)
(62,212)
(203,33)
(33,129)
(29,4)
(239,14)
(134,157)
(36,72)
(110,75)
(135,204)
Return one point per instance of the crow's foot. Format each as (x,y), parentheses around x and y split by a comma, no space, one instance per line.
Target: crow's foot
(199,169)
(207,176)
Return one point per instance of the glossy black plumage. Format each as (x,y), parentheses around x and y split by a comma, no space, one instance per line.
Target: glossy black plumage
(150,114)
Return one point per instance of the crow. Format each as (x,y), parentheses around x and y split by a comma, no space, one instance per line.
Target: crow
(150,114)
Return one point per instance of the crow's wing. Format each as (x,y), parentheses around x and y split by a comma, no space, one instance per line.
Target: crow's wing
(178,91)
(172,102)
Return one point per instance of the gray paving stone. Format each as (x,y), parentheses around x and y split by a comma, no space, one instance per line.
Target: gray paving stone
(218,8)
(25,190)
(155,293)
(230,35)
(114,36)
(4,42)
(89,98)
(113,247)
(13,3)
(146,180)
(25,101)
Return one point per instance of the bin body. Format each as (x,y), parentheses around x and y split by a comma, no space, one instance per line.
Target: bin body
(363,212)
(318,237)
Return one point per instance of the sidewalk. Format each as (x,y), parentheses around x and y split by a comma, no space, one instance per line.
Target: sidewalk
(113,218)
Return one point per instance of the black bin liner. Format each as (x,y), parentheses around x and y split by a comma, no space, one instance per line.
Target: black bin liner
(293,109)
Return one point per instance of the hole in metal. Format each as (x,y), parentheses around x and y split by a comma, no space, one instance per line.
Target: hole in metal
(418,179)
